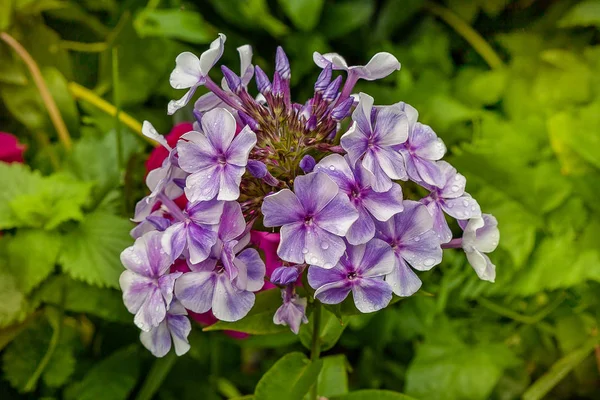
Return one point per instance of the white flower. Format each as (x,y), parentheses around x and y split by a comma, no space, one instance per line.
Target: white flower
(380,65)
(481,235)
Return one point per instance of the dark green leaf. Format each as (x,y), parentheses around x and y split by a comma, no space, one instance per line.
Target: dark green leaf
(303,13)
(331,330)
(344,17)
(289,378)
(185,25)
(372,394)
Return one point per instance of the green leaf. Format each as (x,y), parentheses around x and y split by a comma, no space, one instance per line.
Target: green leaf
(303,13)
(333,379)
(342,18)
(259,320)
(94,248)
(32,255)
(331,330)
(15,179)
(188,26)
(13,305)
(373,394)
(559,371)
(121,369)
(289,378)
(586,13)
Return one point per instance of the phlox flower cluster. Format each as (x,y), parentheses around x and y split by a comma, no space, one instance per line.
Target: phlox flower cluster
(326,175)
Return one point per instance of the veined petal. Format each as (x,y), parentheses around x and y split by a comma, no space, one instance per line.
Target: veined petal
(482,265)
(246,67)
(371,294)
(230,179)
(426,143)
(136,289)
(463,207)
(174,239)
(157,340)
(337,62)
(292,313)
(336,167)
(204,185)
(376,176)
(195,152)
(363,113)
(378,259)
(337,216)
(355,142)
(423,252)
(230,304)
(318,276)
(232,223)
(282,208)
(454,183)
(205,212)
(239,150)
(195,290)
(150,132)
(413,221)
(391,162)
(200,239)
(152,312)
(207,102)
(391,126)
(315,191)
(219,127)
(292,243)
(363,229)
(166,285)
(333,293)
(175,105)
(180,328)
(402,279)
(250,260)
(384,205)
(212,55)
(323,249)
(381,65)
(440,225)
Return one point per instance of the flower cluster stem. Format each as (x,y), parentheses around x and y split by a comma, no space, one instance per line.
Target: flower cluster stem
(316,343)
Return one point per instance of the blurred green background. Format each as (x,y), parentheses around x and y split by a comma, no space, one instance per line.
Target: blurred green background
(513,88)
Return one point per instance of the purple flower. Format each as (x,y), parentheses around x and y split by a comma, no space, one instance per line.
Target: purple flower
(372,137)
(381,65)
(307,164)
(411,235)
(174,328)
(197,232)
(216,158)
(146,284)
(361,270)
(481,235)
(421,151)
(285,275)
(292,312)
(191,71)
(156,221)
(450,198)
(369,203)
(313,220)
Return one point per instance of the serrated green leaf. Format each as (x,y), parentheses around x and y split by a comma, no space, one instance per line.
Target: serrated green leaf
(13,304)
(94,248)
(32,255)
(303,13)
(185,25)
(121,369)
(373,394)
(289,378)
(15,180)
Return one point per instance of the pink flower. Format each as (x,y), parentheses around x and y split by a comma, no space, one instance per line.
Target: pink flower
(268,243)
(10,148)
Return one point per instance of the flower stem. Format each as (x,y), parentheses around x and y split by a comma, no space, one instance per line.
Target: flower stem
(468,33)
(316,343)
(455,243)
(159,371)
(38,79)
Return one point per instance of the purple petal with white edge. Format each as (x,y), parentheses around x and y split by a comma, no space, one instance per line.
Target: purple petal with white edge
(371,294)
(293,243)
(337,216)
(157,340)
(135,258)
(238,152)
(403,281)
(482,265)
(195,152)
(195,290)
(187,71)
(292,313)
(381,65)
(174,240)
(392,163)
(229,303)
(205,212)
(232,81)
(315,191)
(377,260)
(463,207)
(207,102)
(336,167)
(440,225)
(282,64)
(204,185)
(152,312)
(200,239)
(282,208)
(362,114)
(376,176)
(232,222)
(212,55)
(355,142)
(318,276)
(384,205)
(391,126)
(219,127)
(230,179)
(180,328)
(363,229)
(143,208)
(250,260)
(323,248)
(423,252)
(150,132)
(426,143)
(413,221)
(426,171)
(454,183)
(166,284)
(136,289)
(333,293)
(159,260)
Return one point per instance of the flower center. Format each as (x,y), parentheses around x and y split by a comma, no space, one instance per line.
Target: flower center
(352,275)
(222,160)
(308,220)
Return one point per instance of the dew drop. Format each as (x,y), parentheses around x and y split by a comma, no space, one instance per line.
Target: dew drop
(450,205)
(314,260)
(328,265)
(455,188)
(473,208)
(429,262)
(324,245)
(417,238)
(304,250)
(465,203)
(456,177)
(332,168)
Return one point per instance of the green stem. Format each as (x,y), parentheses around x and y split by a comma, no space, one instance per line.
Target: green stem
(159,371)
(315,350)
(526,319)
(115,79)
(468,33)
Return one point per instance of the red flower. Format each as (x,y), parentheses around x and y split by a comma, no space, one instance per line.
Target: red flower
(10,148)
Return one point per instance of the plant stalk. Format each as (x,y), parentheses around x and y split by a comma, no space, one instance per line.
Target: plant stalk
(316,344)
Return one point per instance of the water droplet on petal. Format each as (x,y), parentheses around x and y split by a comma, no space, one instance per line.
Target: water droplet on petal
(465,203)
(314,260)
(324,245)
(450,205)
(332,168)
(455,188)
(304,250)
(429,262)
(473,208)
(417,238)
(328,265)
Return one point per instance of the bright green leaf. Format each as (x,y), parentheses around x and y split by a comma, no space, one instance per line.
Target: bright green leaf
(373,394)
(586,13)
(333,379)
(13,305)
(289,378)
(185,25)
(303,13)
(15,180)
(331,330)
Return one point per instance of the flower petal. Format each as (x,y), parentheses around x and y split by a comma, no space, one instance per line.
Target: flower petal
(376,176)
(219,127)
(166,285)
(195,290)
(323,249)
(136,289)
(333,293)
(152,312)
(200,239)
(292,313)
(402,279)
(205,212)
(180,327)
(195,152)
(391,126)
(371,294)
(482,265)
(381,65)
(232,222)
(239,150)
(207,102)
(392,163)
(355,142)
(363,229)
(426,143)
(440,225)
(337,62)
(424,253)
(174,240)
(230,304)
(212,55)
(336,167)
(157,340)
(384,205)
(230,179)
(378,259)
(463,207)
(282,208)
(318,276)
(204,185)
(337,216)
(315,191)
(187,71)
(292,243)
(254,267)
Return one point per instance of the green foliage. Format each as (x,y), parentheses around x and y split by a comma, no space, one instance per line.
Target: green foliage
(289,378)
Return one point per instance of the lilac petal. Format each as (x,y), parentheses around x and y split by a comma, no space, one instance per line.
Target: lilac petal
(157,340)
(175,105)
(135,258)
(150,132)
(426,143)
(403,281)
(323,248)
(292,243)
(377,260)
(282,208)
(292,314)
(376,176)
(143,208)
(205,212)
(207,102)
(355,142)
(246,67)
(337,216)
(159,223)
(335,60)
(392,163)
(200,239)
(135,290)
(159,260)
(391,127)
(315,191)
(212,55)
(152,312)
(440,225)
(413,221)
(180,328)
(230,304)
(196,154)
(463,207)
(333,293)
(166,285)
(284,275)
(363,229)
(232,222)
(219,127)
(187,71)
(454,183)
(381,65)
(411,113)
(336,167)
(174,240)
(384,205)
(195,290)
(207,265)
(424,253)
(362,114)
(482,265)
(318,276)
(371,294)
(238,152)
(426,171)
(254,269)
(230,179)
(488,236)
